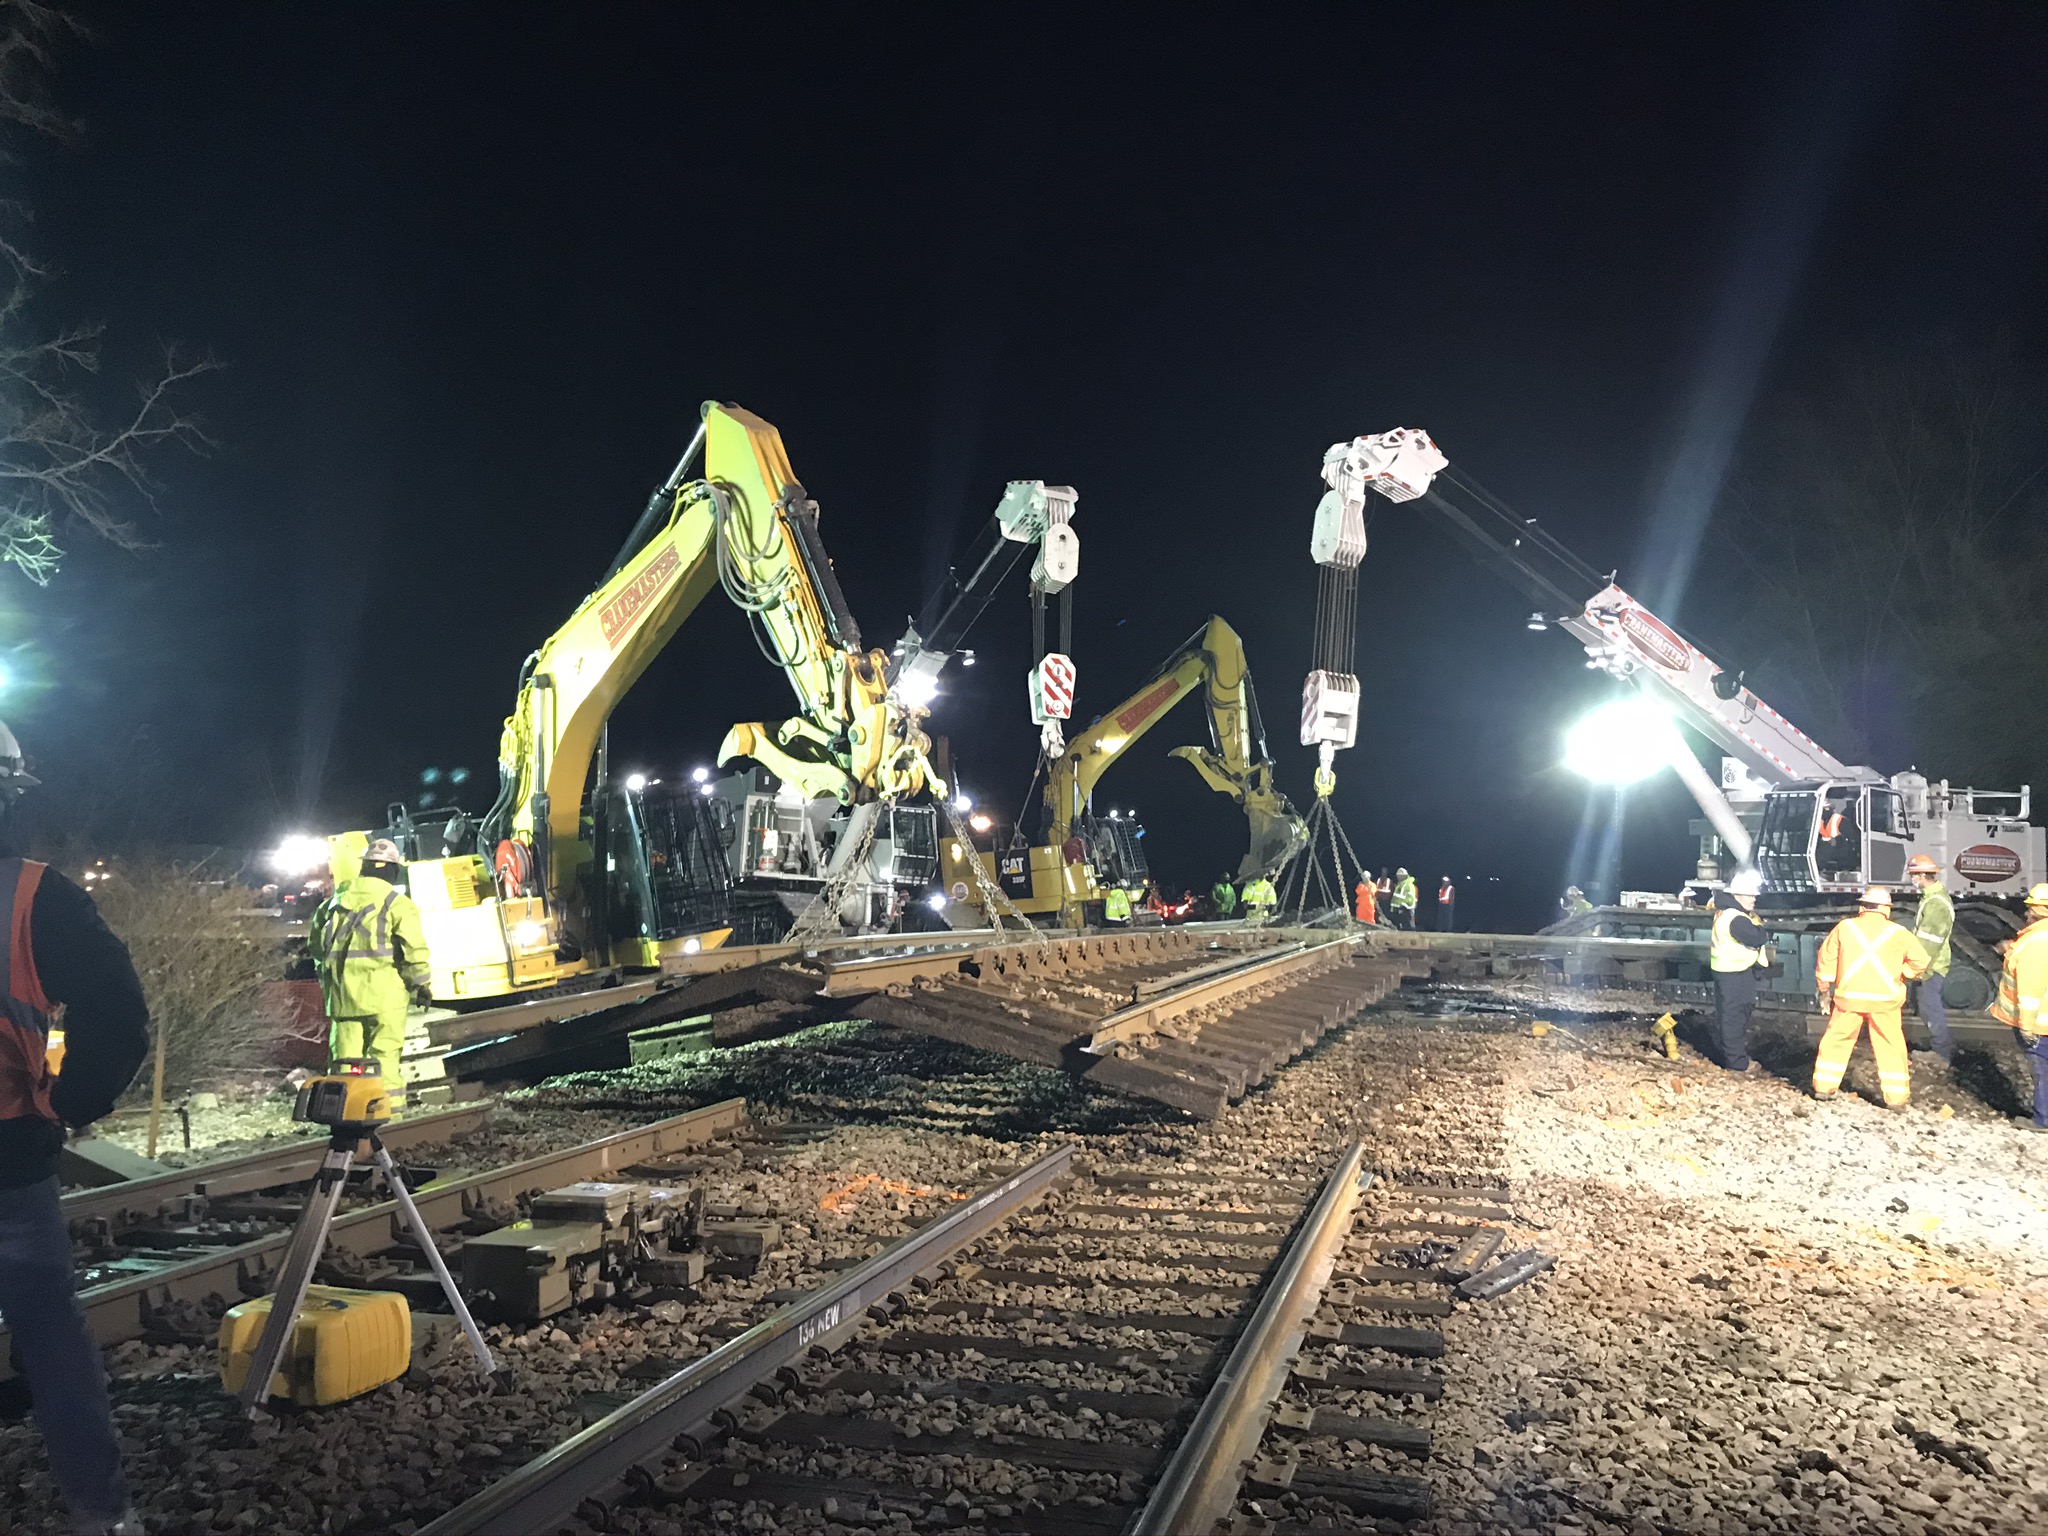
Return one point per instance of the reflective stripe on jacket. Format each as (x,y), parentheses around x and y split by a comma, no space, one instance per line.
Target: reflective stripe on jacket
(1725,952)
(1259,893)
(368,943)
(2024,982)
(1867,959)
(1932,926)
(1404,894)
(1116,905)
(1225,896)
(25,1075)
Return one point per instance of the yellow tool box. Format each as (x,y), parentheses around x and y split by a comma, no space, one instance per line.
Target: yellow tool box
(346,1343)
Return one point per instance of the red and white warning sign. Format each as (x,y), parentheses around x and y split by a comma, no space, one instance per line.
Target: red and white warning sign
(1052,689)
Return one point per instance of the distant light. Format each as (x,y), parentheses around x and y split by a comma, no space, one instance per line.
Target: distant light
(963,802)
(430,775)
(707,790)
(1621,742)
(917,690)
(635,782)
(458,775)
(981,821)
(1112,815)
(967,658)
(299,854)
(528,934)
(936,901)
(1537,623)
(691,946)
(699,775)
(6,679)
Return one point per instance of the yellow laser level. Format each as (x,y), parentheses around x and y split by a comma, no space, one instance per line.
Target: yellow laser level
(351,1102)
(352,1093)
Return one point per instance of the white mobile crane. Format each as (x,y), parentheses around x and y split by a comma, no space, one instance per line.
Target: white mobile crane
(1816,828)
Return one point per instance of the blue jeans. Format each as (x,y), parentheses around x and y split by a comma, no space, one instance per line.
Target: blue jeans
(1934,1014)
(66,1375)
(2037,1059)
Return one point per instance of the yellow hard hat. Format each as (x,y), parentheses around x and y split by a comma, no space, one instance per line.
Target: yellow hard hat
(1922,864)
(1876,896)
(2038,896)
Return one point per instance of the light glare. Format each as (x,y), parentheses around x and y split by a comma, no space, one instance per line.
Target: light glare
(1621,742)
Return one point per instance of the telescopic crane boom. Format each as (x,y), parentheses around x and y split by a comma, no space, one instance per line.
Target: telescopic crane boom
(1813,822)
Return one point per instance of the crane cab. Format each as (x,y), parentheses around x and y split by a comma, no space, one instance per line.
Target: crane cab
(1840,836)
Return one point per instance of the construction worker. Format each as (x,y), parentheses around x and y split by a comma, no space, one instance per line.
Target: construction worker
(1385,893)
(1737,957)
(1933,924)
(1572,903)
(1224,894)
(1116,907)
(1365,900)
(2022,986)
(1403,902)
(1861,974)
(60,954)
(1259,898)
(370,949)
(1446,905)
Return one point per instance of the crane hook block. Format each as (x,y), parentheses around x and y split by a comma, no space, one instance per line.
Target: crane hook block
(1399,465)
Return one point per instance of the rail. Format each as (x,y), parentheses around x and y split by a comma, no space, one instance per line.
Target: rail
(541,1495)
(1147,1015)
(145,1199)
(1199,1483)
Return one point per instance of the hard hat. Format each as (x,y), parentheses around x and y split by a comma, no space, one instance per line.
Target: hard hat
(14,778)
(1747,883)
(2038,896)
(1876,896)
(1573,890)
(383,851)
(1402,873)
(1922,864)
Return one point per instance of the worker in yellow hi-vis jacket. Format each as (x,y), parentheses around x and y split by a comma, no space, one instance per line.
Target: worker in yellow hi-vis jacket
(371,951)
(1861,974)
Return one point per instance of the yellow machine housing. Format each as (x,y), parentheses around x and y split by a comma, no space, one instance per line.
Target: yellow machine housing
(750,527)
(1235,763)
(346,1343)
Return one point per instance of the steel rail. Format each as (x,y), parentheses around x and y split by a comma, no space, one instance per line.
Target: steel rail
(1145,1016)
(123,1310)
(547,1491)
(1199,1483)
(1075,953)
(141,1200)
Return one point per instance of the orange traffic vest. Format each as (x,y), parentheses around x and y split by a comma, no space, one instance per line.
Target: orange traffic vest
(1867,959)
(2023,984)
(26,1075)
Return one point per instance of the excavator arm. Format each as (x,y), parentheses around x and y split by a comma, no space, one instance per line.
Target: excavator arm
(1235,763)
(747,526)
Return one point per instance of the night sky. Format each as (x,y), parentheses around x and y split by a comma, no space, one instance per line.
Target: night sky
(471,271)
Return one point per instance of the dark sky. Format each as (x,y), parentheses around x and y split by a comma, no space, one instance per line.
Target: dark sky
(472,269)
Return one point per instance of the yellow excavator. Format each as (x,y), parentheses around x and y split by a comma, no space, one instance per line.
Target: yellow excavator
(1082,854)
(516,902)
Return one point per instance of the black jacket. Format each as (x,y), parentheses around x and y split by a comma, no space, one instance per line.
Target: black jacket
(1745,929)
(106,1024)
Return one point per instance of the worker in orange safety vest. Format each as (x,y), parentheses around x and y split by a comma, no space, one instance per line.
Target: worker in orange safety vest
(2022,988)
(1366,897)
(1861,975)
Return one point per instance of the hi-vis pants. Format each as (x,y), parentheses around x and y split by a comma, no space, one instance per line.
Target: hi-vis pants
(379,1035)
(1887,1044)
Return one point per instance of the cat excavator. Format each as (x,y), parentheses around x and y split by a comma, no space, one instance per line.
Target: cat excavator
(1082,854)
(565,878)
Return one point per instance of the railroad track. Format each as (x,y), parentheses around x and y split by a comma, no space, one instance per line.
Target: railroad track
(1091,1350)
(160,1267)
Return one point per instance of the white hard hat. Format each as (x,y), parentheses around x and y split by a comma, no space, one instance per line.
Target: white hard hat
(1876,896)
(13,776)
(1747,883)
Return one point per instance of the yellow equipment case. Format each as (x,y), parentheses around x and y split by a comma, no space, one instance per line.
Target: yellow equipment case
(346,1343)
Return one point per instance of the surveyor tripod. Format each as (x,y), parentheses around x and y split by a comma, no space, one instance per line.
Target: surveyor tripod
(309,1241)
